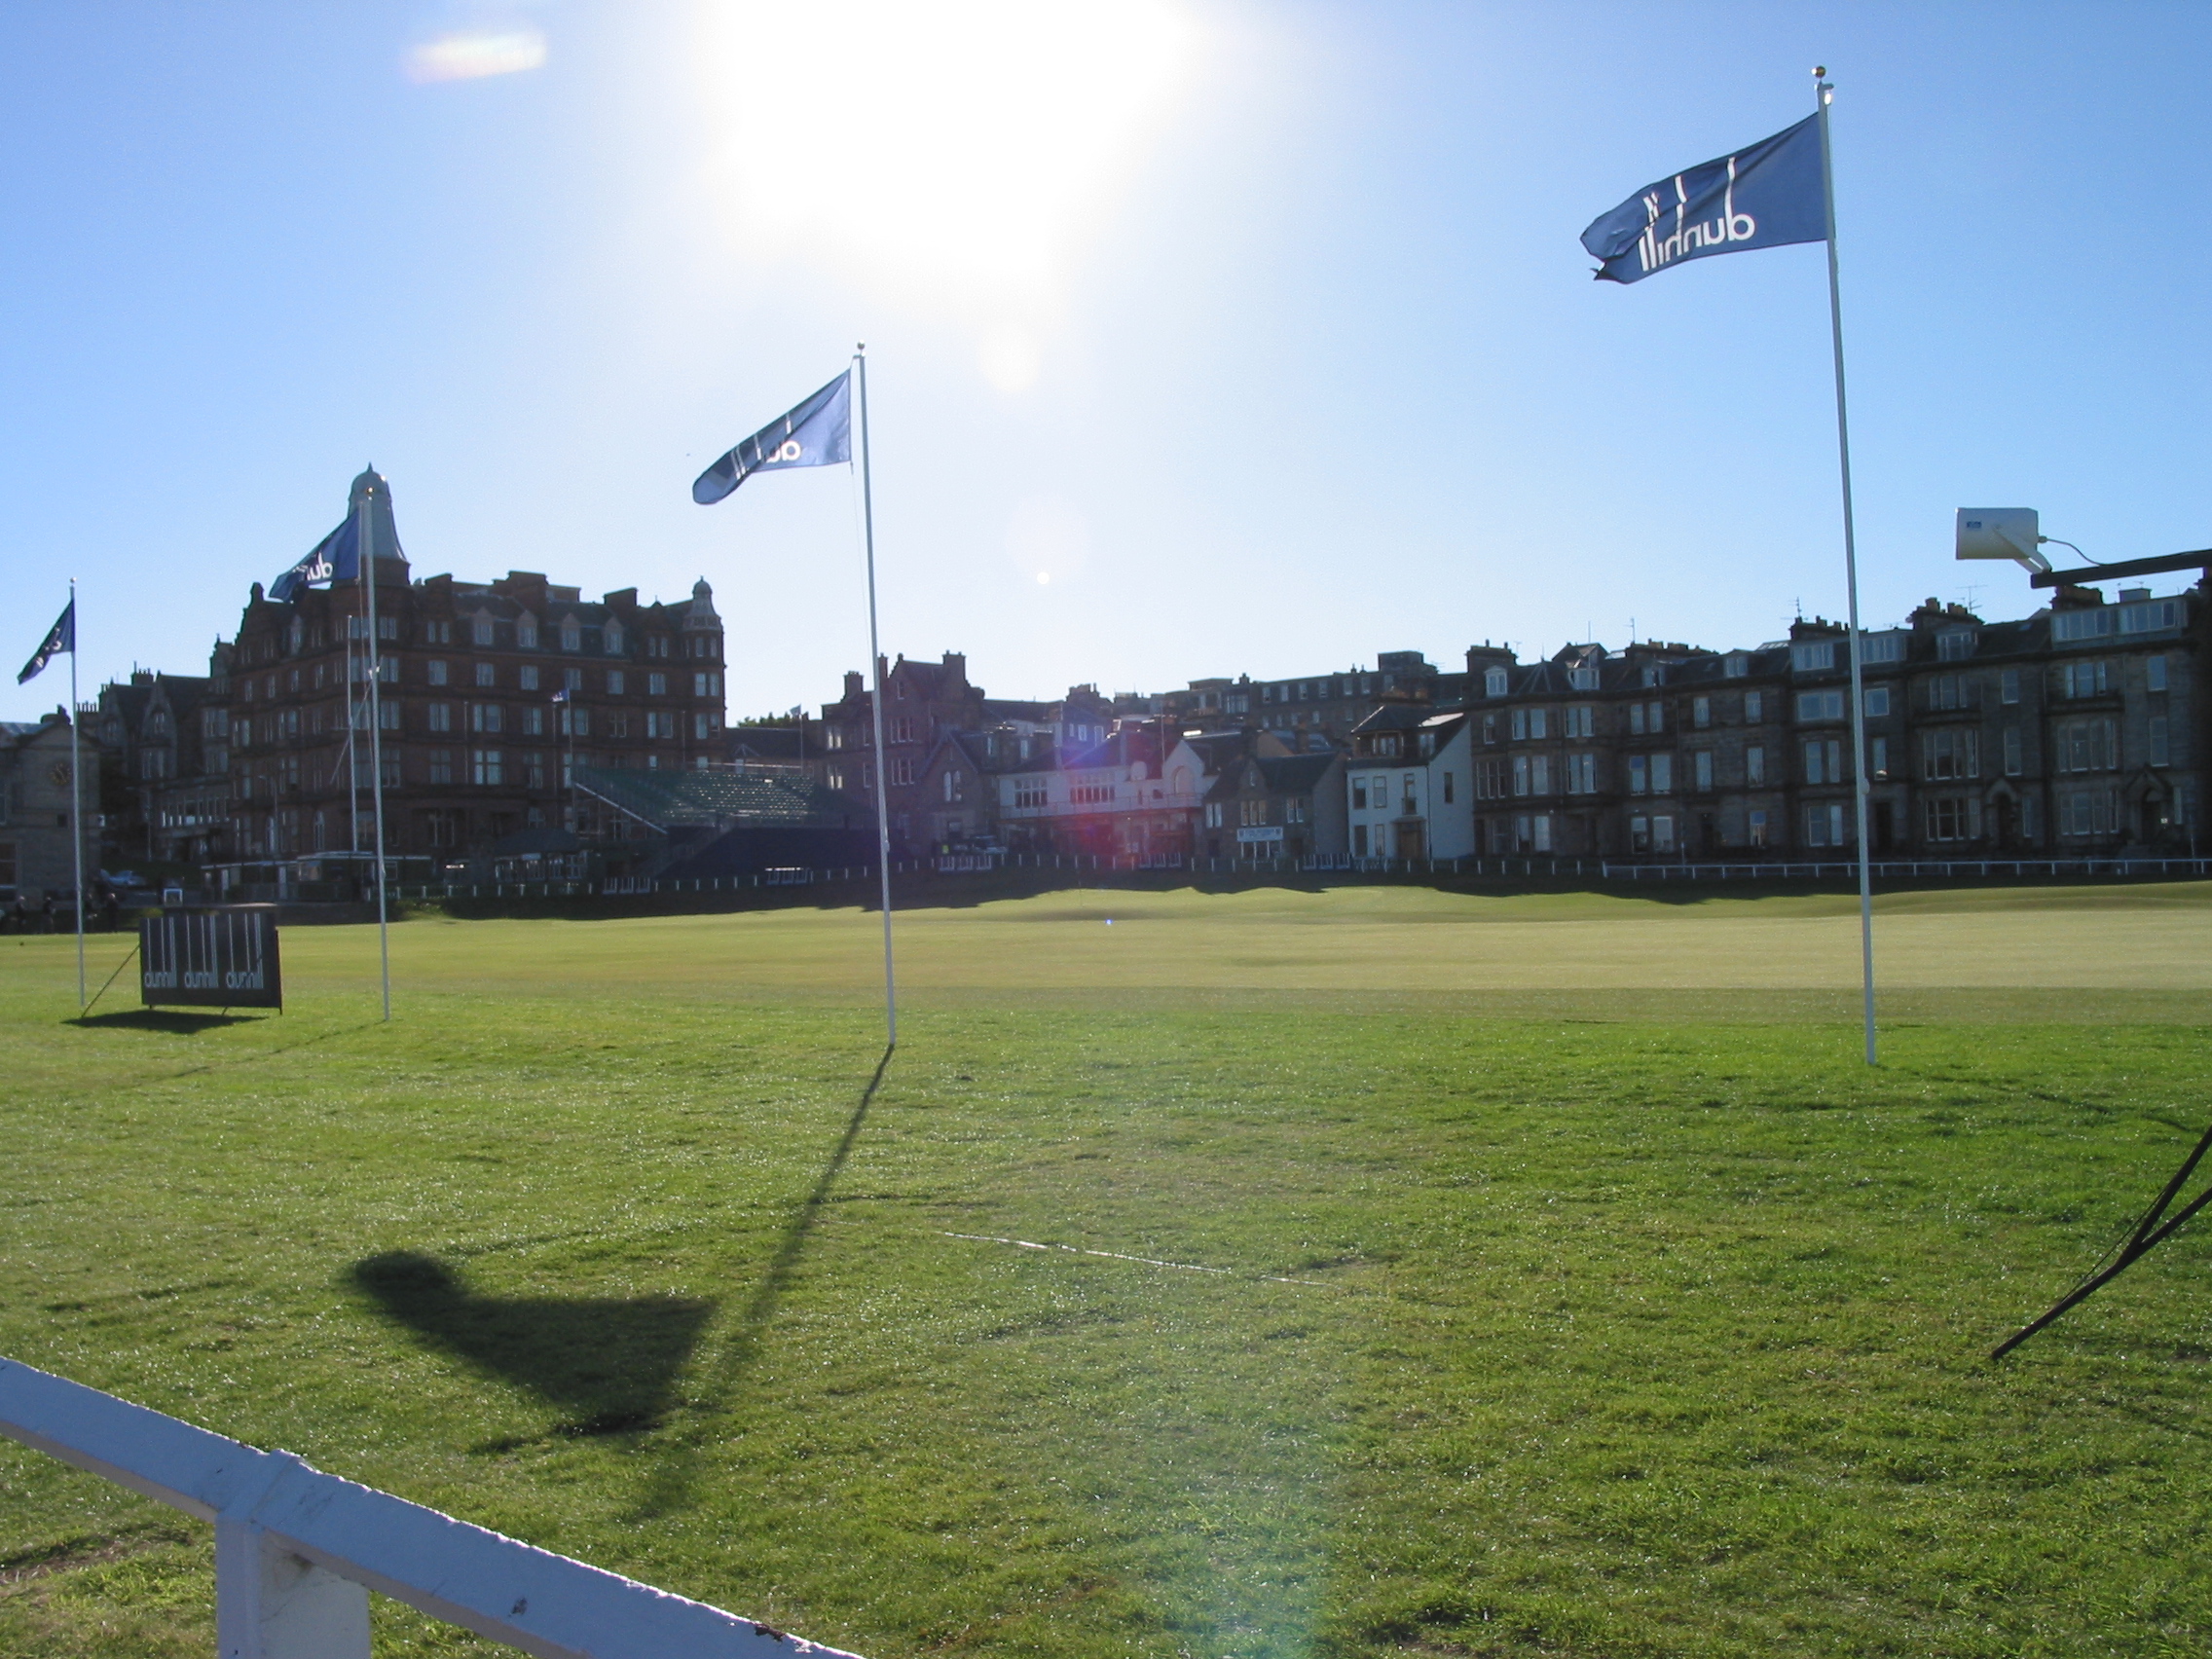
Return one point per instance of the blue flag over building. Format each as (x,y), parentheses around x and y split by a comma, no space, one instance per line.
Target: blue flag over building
(337,557)
(61,637)
(818,432)
(1767,196)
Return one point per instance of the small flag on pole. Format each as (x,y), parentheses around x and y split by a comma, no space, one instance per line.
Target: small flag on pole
(562,695)
(818,432)
(61,637)
(1767,196)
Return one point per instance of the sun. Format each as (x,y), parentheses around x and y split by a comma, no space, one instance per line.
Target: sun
(959,150)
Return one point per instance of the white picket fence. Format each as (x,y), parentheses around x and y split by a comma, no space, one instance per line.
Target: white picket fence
(297,1551)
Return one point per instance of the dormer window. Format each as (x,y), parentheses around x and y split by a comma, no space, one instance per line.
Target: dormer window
(526,634)
(1582,679)
(1736,665)
(571,636)
(1956,644)
(611,636)
(1493,682)
(483,631)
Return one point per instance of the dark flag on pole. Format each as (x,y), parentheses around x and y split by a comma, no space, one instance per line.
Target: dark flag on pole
(818,432)
(1766,196)
(61,637)
(336,557)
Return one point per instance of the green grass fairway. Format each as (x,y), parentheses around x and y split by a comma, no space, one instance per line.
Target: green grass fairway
(1421,1272)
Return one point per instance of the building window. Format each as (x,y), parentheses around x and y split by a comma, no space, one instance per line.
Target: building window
(1877,702)
(1882,647)
(1582,774)
(616,681)
(1700,769)
(1448,781)
(2012,759)
(2088,746)
(526,636)
(1529,723)
(1662,777)
(1736,666)
(571,679)
(902,730)
(1640,835)
(435,671)
(1358,841)
(1493,682)
(1952,754)
(1951,818)
(1820,705)
(441,716)
(1757,824)
(1663,833)
(2008,686)
(1955,644)
(2088,812)
(1823,760)
(1581,721)
(1638,775)
(610,636)
(526,676)
(481,632)
(534,721)
(1812,656)
(1878,756)
(2084,679)
(1823,824)
(1754,704)
(571,637)
(2155,674)
(1949,692)
(1521,774)
(1582,679)
(487,767)
(2160,746)
(902,772)
(486,717)
(1489,728)
(656,684)
(486,675)
(1700,712)
(437,633)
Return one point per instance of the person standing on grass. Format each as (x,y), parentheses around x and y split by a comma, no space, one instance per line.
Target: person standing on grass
(45,912)
(111,912)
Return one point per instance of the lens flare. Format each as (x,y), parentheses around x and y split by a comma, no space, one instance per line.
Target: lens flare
(473,53)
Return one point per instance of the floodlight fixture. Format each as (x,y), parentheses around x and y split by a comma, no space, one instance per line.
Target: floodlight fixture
(2004,532)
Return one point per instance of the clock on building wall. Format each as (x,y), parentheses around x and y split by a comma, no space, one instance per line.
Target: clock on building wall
(61,774)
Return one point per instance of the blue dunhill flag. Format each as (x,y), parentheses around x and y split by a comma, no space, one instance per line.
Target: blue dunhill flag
(61,637)
(818,432)
(1766,196)
(336,557)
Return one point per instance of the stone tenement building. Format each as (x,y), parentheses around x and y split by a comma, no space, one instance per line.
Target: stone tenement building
(2078,731)
(269,759)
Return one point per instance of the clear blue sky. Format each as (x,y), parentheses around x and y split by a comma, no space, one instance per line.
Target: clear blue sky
(1261,331)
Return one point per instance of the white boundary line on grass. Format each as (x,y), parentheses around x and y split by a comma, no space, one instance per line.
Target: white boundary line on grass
(1116,1256)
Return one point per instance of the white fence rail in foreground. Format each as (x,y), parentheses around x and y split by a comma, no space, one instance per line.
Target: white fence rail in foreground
(297,1551)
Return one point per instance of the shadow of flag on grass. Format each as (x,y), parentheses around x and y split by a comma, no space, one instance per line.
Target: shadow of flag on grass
(610,1363)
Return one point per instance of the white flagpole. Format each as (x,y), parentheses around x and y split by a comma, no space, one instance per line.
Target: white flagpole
(1862,784)
(365,552)
(77,794)
(875,661)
